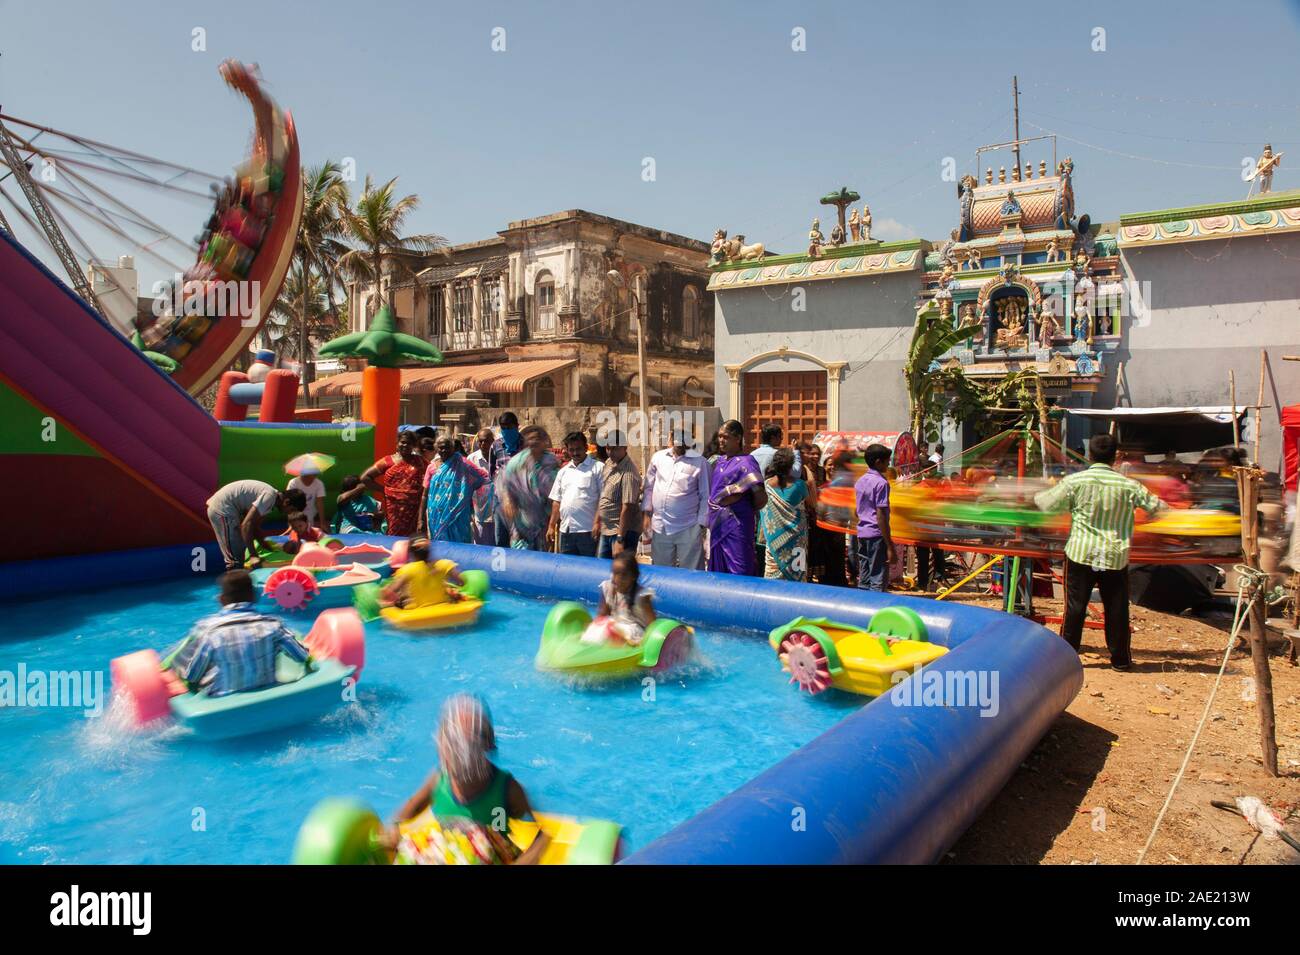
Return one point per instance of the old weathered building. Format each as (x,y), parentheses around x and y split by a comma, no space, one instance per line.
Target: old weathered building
(530,319)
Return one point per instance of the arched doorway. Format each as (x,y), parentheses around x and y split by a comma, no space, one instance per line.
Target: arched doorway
(546,392)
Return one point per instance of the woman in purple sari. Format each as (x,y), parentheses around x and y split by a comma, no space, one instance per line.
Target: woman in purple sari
(737,493)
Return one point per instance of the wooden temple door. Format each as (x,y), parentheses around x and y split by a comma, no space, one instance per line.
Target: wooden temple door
(796,400)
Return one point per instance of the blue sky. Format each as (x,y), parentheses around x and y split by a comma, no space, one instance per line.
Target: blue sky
(745,132)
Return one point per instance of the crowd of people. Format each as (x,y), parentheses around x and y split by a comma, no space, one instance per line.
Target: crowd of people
(733,511)
(729,510)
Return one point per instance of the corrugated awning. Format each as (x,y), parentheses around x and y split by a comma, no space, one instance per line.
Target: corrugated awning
(502,377)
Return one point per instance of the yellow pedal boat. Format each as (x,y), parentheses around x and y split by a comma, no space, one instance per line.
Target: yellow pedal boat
(820,653)
(440,616)
(343,832)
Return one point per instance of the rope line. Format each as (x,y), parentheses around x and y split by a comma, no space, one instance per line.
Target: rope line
(1247,577)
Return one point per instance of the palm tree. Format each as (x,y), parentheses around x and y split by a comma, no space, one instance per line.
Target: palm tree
(305,307)
(375,226)
(316,253)
(934,334)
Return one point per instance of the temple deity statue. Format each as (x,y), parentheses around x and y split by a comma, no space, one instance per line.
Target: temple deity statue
(966,192)
(1083,290)
(815,239)
(1082,320)
(1011,315)
(1048,328)
(1063,206)
(973,260)
(1054,251)
(837,236)
(865,224)
(855,224)
(1264,167)
(718,250)
(1010,205)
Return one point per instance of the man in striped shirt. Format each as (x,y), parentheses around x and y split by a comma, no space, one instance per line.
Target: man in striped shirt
(1101,503)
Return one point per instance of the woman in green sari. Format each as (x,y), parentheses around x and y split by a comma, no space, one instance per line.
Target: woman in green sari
(785,519)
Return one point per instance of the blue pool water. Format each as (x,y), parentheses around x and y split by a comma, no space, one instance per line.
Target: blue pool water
(93,790)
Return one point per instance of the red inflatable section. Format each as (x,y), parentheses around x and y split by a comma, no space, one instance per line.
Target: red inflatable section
(1291,445)
(227,408)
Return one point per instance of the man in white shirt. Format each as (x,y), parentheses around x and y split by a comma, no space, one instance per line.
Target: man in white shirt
(676,503)
(574,497)
(936,460)
(771,436)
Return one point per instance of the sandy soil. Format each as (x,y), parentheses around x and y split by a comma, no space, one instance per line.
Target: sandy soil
(1090,791)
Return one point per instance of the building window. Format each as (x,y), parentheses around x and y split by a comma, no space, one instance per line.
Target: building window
(437,312)
(690,313)
(544,301)
(491,299)
(462,307)
(546,393)
(694,394)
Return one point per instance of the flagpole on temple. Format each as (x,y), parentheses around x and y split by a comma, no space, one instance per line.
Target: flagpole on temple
(1015,111)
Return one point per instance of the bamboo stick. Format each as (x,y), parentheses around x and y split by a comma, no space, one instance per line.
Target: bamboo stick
(1263,358)
(1248,498)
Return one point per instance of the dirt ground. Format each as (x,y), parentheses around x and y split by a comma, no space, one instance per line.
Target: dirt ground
(1092,788)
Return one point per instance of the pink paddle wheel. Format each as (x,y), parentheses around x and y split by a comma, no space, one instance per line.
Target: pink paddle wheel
(676,648)
(291,588)
(804,657)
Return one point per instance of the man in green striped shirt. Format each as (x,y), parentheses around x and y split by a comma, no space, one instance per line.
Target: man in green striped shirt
(1101,503)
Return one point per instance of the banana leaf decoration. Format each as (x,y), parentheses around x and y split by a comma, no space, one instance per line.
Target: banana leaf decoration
(164,362)
(381,344)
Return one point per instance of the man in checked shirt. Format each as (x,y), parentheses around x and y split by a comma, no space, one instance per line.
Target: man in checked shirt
(1101,503)
(234,650)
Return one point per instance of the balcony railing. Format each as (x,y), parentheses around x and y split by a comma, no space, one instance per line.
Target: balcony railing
(468,339)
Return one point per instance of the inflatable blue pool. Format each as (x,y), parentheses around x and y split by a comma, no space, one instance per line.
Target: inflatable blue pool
(897,780)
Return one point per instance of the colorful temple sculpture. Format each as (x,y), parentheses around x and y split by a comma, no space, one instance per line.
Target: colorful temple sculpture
(1042,286)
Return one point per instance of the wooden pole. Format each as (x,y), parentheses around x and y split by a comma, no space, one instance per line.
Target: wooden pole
(1248,497)
(1263,358)
(1232,388)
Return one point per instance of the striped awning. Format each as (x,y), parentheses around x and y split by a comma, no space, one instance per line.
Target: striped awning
(502,377)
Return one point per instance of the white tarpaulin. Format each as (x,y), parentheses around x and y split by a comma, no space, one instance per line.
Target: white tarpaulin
(1219,414)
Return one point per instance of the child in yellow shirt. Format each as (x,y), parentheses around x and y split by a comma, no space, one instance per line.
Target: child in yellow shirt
(422,581)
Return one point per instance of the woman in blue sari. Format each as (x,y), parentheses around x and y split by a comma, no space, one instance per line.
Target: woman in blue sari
(737,493)
(449,485)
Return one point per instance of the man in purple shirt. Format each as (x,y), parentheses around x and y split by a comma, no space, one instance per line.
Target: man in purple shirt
(875,544)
